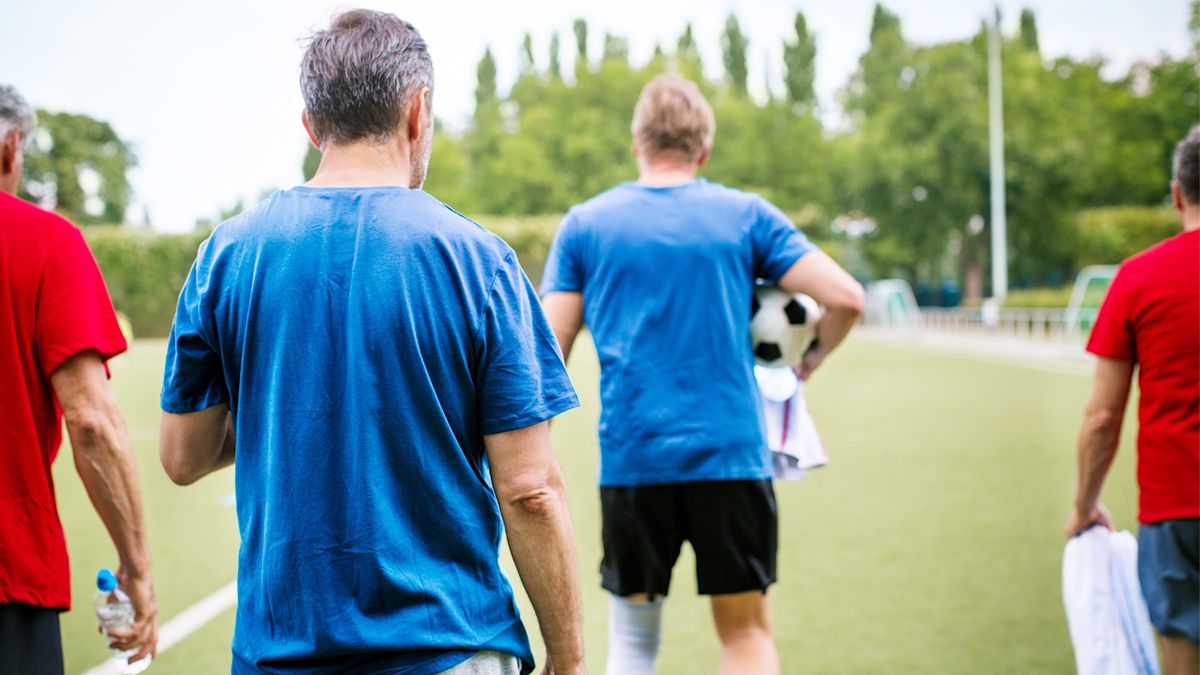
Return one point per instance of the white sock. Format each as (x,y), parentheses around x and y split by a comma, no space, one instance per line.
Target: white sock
(634,630)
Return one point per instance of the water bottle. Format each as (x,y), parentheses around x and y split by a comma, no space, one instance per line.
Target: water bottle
(116,613)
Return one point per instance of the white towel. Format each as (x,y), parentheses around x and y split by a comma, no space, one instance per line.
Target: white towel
(1106,612)
(791,434)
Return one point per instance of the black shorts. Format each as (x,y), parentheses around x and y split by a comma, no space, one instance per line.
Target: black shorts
(30,641)
(732,526)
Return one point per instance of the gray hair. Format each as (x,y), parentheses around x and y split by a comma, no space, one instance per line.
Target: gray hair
(1186,166)
(15,114)
(358,75)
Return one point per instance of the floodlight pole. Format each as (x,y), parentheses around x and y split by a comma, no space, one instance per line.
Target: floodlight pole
(996,155)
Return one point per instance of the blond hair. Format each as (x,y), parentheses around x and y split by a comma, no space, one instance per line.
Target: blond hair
(673,118)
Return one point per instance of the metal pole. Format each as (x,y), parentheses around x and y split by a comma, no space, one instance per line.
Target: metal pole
(996,152)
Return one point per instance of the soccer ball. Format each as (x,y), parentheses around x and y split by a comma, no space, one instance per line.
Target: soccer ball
(782,326)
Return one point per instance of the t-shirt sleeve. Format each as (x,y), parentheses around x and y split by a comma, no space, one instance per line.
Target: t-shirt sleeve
(564,266)
(193,377)
(520,377)
(74,311)
(1112,335)
(777,243)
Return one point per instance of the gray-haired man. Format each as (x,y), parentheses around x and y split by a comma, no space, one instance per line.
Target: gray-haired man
(387,372)
(57,330)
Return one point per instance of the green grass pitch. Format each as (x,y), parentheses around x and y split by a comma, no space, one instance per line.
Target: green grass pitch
(931,544)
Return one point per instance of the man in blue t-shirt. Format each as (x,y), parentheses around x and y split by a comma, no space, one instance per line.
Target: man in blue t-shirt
(662,272)
(379,369)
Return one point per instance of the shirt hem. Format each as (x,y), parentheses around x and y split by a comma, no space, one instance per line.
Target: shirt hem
(546,411)
(675,478)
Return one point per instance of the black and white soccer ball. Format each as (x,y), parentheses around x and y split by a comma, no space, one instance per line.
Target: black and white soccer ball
(782,326)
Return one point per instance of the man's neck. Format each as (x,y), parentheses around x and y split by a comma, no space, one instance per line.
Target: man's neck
(665,174)
(363,164)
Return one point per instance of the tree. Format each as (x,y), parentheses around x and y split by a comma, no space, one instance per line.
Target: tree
(687,56)
(78,165)
(581,45)
(527,63)
(554,69)
(880,68)
(1028,34)
(799,59)
(615,47)
(733,52)
(485,80)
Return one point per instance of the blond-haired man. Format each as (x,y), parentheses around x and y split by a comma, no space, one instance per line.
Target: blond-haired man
(662,272)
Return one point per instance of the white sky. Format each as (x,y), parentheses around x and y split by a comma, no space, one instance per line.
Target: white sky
(207,91)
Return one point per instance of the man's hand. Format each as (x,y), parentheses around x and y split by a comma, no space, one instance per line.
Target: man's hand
(814,357)
(143,634)
(1079,520)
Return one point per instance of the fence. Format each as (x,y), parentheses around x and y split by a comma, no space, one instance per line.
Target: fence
(1048,325)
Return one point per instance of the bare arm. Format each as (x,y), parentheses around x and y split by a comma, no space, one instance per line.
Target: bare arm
(1098,437)
(106,465)
(533,502)
(193,445)
(565,312)
(817,275)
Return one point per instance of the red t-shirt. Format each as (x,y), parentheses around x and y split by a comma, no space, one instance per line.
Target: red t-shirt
(53,305)
(1151,316)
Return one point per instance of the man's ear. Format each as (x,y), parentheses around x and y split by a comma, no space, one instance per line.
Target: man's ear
(8,152)
(1177,195)
(312,135)
(419,114)
(703,158)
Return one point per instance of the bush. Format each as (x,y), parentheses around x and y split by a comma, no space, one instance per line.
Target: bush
(530,237)
(144,272)
(1111,234)
(1039,298)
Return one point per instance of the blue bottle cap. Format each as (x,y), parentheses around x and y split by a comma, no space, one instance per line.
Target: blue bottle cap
(106,580)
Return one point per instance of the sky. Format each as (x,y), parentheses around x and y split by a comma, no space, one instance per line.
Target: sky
(208,94)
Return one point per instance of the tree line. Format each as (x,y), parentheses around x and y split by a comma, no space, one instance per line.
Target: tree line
(909,158)
(912,157)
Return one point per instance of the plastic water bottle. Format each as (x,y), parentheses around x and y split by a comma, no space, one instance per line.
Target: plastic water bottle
(116,613)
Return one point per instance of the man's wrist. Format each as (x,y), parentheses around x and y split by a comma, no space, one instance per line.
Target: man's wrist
(137,566)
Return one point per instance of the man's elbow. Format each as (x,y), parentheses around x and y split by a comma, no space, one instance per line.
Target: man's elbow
(176,469)
(849,302)
(1104,421)
(88,430)
(535,501)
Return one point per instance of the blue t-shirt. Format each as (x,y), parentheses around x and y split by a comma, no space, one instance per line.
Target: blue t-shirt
(365,339)
(667,274)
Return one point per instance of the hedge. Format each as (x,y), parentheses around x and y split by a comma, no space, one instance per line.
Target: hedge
(1111,234)
(144,272)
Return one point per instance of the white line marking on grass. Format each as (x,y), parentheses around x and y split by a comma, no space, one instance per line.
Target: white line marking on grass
(184,624)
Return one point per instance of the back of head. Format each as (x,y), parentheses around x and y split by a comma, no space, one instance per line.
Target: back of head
(1186,167)
(17,122)
(358,76)
(15,113)
(672,120)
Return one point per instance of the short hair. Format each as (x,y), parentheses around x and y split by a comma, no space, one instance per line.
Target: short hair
(673,117)
(15,113)
(1186,166)
(358,75)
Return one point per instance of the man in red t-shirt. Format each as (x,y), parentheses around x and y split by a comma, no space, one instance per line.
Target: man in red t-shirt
(1150,320)
(57,330)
